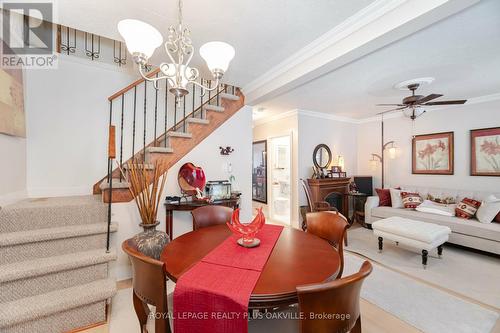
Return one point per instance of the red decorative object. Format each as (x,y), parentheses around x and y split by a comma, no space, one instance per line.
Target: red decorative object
(384,196)
(247,231)
(467,208)
(191,179)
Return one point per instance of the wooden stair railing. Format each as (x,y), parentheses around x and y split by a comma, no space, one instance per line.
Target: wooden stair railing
(168,145)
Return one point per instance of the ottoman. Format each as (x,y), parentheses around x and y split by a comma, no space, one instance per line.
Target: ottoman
(421,235)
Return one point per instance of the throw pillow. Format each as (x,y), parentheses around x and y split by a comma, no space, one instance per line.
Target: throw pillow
(396,200)
(411,200)
(467,208)
(497,219)
(448,200)
(488,210)
(384,196)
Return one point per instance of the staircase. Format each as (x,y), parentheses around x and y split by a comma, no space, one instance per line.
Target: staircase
(181,130)
(54,265)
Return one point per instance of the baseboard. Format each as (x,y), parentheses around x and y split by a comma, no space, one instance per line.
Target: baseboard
(10,198)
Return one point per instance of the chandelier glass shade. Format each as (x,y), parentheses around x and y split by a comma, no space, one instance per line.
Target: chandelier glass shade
(143,39)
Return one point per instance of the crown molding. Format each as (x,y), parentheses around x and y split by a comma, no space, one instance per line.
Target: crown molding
(327,116)
(375,26)
(275,117)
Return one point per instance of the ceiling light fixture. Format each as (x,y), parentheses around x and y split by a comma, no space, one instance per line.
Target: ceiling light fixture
(142,40)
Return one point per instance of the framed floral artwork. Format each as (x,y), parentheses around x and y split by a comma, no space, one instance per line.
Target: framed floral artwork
(485,152)
(432,154)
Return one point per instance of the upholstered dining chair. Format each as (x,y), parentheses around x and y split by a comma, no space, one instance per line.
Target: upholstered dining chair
(149,287)
(339,297)
(207,216)
(331,226)
(314,206)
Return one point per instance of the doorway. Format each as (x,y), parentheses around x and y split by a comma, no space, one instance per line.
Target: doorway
(280,167)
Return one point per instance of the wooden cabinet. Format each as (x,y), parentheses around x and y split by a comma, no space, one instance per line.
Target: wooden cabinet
(332,190)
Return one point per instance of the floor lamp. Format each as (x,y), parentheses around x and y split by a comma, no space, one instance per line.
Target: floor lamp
(390,145)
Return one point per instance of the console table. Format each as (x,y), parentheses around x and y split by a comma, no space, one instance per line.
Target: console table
(170,207)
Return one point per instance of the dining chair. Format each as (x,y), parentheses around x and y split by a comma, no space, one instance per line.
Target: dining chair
(210,215)
(314,206)
(331,226)
(339,298)
(149,283)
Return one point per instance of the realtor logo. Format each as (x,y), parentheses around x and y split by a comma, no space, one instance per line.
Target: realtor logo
(27,34)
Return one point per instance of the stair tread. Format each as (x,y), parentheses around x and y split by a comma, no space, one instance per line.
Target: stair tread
(42,266)
(160,150)
(198,121)
(28,308)
(55,202)
(117,183)
(147,166)
(229,96)
(180,134)
(45,234)
(211,107)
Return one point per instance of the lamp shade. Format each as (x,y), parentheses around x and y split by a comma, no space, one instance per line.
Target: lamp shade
(217,55)
(140,37)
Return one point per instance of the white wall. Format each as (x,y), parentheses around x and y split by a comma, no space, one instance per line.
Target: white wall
(13,169)
(459,119)
(235,132)
(340,136)
(67,117)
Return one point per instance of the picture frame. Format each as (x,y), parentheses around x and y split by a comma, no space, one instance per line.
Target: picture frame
(433,154)
(259,171)
(485,152)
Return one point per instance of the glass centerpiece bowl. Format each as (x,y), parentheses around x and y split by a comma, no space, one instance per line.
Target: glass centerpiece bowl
(247,231)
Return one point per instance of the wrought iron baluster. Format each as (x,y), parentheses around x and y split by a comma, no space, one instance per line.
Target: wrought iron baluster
(175,112)
(121,137)
(144,135)
(194,92)
(110,183)
(184,113)
(233,91)
(133,123)
(68,48)
(118,58)
(209,92)
(201,100)
(166,111)
(92,53)
(156,113)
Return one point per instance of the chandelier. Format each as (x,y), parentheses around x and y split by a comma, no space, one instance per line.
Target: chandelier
(142,40)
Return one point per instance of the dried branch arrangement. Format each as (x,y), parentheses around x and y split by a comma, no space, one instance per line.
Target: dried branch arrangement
(146,188)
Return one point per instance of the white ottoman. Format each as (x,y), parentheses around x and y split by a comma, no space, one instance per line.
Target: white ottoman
(417,234)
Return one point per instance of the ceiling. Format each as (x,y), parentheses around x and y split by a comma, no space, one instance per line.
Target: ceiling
(460,52)
(263,32)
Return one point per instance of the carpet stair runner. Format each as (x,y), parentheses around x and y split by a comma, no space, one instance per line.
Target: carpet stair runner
(54,269)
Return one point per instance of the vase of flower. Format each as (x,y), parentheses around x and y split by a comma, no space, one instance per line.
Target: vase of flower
(151,241)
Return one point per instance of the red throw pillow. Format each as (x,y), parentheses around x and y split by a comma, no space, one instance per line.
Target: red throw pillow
(467,208)
(411,200)
(384,196)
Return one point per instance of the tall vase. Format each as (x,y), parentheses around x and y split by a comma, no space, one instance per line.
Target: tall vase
(151,241)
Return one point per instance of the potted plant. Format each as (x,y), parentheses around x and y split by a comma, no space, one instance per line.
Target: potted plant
(146,186)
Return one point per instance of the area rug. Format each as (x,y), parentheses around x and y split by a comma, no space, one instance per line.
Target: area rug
(462,271)
(420,305)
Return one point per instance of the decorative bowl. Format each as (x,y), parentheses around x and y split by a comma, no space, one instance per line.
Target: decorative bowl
(191,178)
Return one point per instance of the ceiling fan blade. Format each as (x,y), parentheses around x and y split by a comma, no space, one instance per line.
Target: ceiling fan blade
(428,98)
(390,105)
(460,101)
(392,110)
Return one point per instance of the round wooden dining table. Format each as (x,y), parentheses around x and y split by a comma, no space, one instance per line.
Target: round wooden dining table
(298,258)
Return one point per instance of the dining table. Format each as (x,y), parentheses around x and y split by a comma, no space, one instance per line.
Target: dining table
(298,258)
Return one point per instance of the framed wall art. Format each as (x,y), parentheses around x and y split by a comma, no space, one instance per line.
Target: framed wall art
(432,154)
(485,152)
(259,171)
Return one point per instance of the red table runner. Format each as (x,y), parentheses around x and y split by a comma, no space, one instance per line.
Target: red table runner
(213,295)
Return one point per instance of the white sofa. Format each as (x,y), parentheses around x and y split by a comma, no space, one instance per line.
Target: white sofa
(470,233)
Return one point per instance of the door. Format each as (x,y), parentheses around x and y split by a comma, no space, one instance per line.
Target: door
(280,174)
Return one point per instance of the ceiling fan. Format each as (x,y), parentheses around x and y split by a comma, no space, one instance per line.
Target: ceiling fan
(411,105)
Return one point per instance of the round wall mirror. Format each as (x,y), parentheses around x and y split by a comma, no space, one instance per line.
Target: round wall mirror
(322,156)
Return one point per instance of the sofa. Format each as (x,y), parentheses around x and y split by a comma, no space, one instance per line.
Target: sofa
(466,232)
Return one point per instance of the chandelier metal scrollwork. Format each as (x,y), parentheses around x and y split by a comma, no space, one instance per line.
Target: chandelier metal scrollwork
(142,39)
